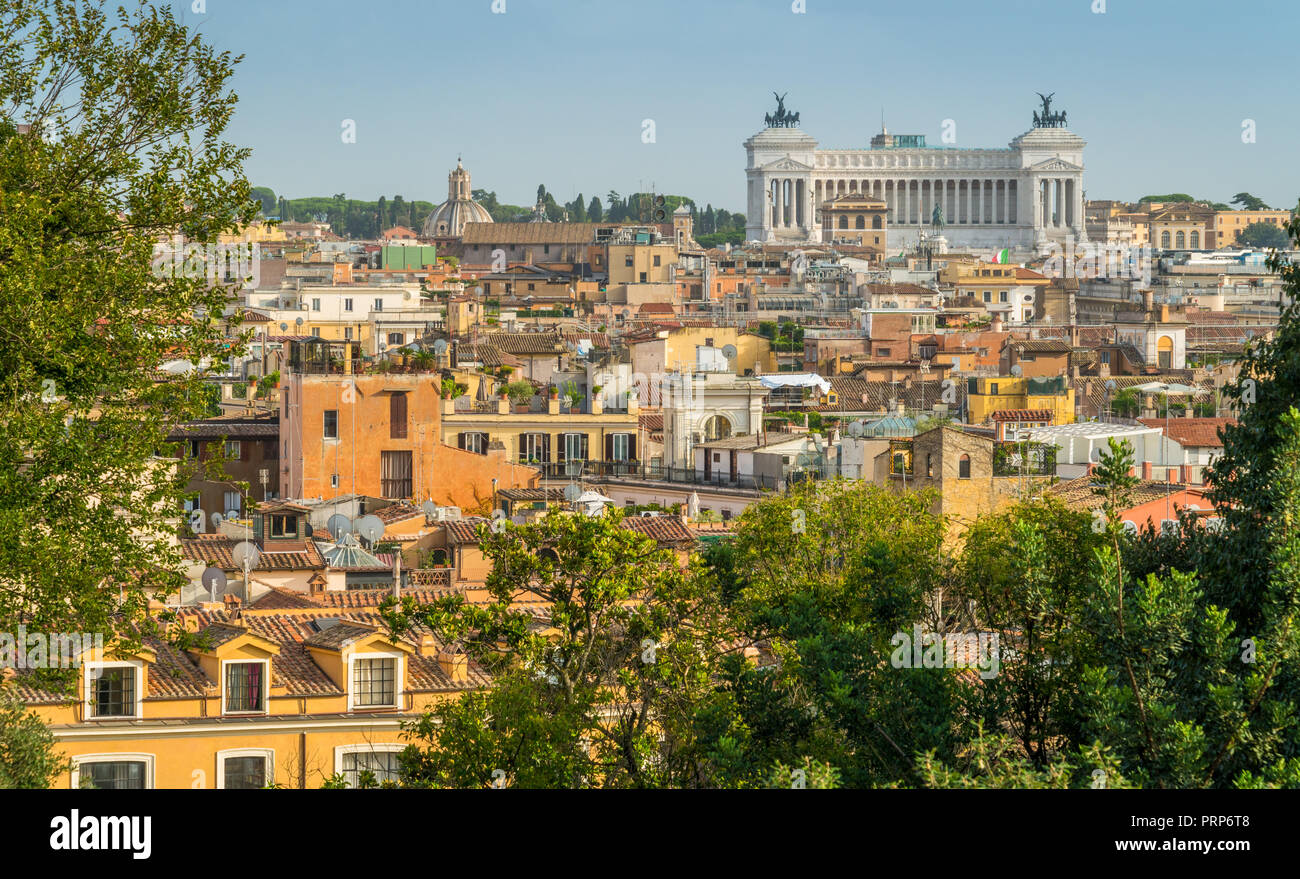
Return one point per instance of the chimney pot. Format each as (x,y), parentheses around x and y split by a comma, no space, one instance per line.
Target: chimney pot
(1146,470)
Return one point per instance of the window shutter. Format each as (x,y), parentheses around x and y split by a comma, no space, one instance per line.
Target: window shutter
(561,448)
(583,447)
(631,447)
(546,447)
(609,447)
(397,416)
(460,440)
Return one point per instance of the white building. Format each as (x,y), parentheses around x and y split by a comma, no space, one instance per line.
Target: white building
(1026,195)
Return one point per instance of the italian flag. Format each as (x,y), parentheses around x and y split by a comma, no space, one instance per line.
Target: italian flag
(1001,257)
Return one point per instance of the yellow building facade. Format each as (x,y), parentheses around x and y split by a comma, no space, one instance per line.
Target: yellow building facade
(986,395)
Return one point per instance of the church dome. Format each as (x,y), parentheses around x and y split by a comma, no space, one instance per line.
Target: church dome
(449,218)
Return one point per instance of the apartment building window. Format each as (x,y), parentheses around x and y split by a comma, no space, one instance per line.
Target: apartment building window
(395,474)
(347,333)
(573,447)
(112,690)
(379,305)
(1002,296)
(234,504)
(233,449)
(380,761)
(993,387)
(347,304)
(374,683)
(534,447)
(245,687)
(113,773)
(330,430)
(988,296)
(627,262)
(656,259)
(397,416)
(397,339)
(963,467)
(194,448)
(315,305)
(620,447)
(473,441)
(315,331)
(643,277)
(245,768)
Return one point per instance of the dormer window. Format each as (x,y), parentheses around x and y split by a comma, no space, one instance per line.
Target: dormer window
(374,682)
(284,525)
(113,690)
(244,689)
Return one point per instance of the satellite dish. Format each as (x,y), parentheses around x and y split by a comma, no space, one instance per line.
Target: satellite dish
(298,321)
(284,326)
(214,580)
(572,492)
(245,554)
(729,352)
(1016,370)
(217,519)
(370,527)
(339,525)
(1110,385)
(440,346)
(856,429)
(430,509)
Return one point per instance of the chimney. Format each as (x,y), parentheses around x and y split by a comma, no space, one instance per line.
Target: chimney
(996,324)
(428,646)
(1148,301)
(454,665)
(1185,474)
(1146,471)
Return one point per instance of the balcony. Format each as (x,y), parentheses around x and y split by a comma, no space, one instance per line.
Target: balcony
(428,578)
(1024,459)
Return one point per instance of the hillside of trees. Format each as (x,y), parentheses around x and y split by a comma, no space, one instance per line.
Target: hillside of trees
(353,218)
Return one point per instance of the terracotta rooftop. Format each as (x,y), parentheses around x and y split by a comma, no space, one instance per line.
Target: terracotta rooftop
(1194,432)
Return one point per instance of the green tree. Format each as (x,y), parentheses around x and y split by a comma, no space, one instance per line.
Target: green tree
(1248,202)
(1263,235)
(599,695)
(594,210)
(125,149)
(28,752)
(1026,574)
(265,199)
(828,575)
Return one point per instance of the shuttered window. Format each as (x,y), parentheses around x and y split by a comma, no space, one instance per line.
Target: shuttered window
(395,474)
(534,447)
(397,416)
(473,441)
(620,447)
(571,447)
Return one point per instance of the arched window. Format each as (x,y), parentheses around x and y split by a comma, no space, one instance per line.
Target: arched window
(716,428)
(1195,239)
(1164,240)
(875,222)
(844,222)
(1180,240)
(860,223)
(438,557)
(963,467)
(547,554)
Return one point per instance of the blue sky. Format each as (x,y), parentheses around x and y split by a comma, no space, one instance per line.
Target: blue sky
(555,91)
